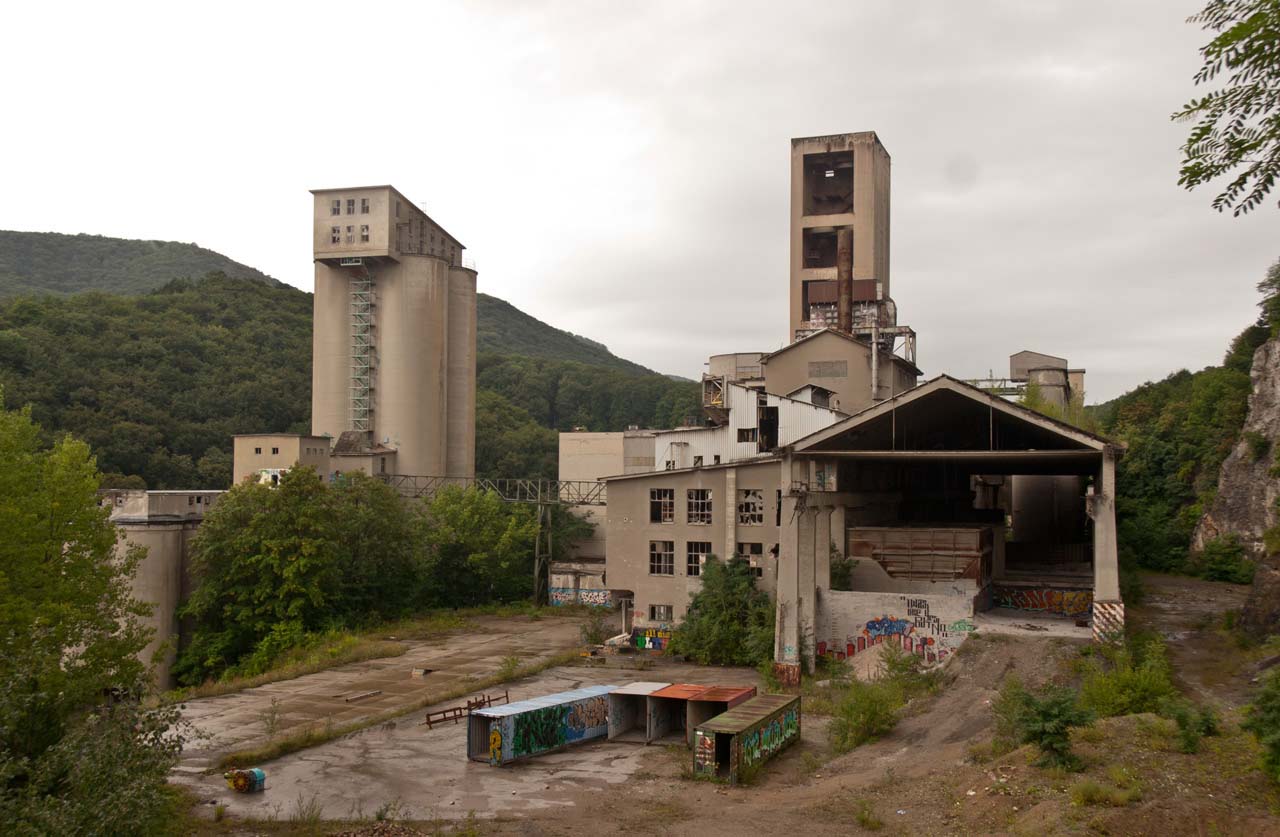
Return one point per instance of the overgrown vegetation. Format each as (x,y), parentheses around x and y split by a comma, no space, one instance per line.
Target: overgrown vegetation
(79,754)
(279,571)
(1264,722)
(729,621)
(864,711)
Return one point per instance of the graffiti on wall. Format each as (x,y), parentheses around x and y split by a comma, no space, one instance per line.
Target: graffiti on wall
(495,745)
(788,674)
(538,730)
(704,753)
(918,632)
(559,596)
(1042,600)
(651,639)
(585,717)
(770,737)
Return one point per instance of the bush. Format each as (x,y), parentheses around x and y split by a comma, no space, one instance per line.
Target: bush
(1007,709)
(865,712)
(729,621)
(907,672)
(1044,720)
(1137,679)
(1223,559)
(1264,722)
(596,629)
(1089,792)
(1258,445)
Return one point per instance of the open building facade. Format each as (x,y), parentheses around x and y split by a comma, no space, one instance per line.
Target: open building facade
(950,499)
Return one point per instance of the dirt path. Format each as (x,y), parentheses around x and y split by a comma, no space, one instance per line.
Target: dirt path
(238,720)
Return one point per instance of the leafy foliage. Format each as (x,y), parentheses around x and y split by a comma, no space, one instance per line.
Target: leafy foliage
(865,712)
(1264,722)
(70,636)
(32,262)
(1237,126)
(1222,559)
(1046,720)
(729,621)
(1135,678)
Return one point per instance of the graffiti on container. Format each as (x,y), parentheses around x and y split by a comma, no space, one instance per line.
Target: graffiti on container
(768,738)
(495,746)
(1061,602)
(704,753)
(586,715)
(651,639)
(539,730)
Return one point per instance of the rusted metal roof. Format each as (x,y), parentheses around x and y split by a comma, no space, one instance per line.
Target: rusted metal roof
(726,694)
(680,691)
(745,715)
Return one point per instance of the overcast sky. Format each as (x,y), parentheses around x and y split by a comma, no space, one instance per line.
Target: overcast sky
(620,170)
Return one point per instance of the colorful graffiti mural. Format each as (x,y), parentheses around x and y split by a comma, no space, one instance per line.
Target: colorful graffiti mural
(559,596)
(886,626)
(495,746)
(1077,603)
(788,674)
(585,717)
(918,632)
(539,730)
(651,639)
(767,739)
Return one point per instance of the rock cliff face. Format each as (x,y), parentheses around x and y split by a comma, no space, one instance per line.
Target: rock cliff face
(1246,501)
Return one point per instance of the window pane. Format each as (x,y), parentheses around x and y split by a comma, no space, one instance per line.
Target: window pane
(700,506)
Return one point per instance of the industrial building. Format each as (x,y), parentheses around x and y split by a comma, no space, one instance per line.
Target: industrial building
(951,499)
(393,365)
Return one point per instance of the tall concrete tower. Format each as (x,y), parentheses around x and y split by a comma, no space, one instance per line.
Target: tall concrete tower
(839,188)
(394,345)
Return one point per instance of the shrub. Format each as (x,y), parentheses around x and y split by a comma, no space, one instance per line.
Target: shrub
(1136,680)
(866,712)
(729,621)
(1223,559)
(1264,722)
(1007,709)
(865,817)
(907,672)
(1258,445)
(596,629)
(1089,792)
(1046,721)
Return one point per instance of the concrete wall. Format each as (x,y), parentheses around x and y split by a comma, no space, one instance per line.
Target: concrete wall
(254,453)
(789,370)
(460,455)
(629,532)
(932,626)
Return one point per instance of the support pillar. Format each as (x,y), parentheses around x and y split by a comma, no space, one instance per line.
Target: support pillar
(786,643)
(1108,609)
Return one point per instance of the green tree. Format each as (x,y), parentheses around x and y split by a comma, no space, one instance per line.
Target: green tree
(479,549)
(70,638)
(729,621)
(1269,287)
(1237,126)
(1264,722)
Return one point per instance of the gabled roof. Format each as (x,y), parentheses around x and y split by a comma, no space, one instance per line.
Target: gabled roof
(946,383)
(804,341)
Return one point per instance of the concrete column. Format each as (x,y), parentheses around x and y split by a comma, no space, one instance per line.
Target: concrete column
(1106,561)
(786,647)
(812,545)
(730,518)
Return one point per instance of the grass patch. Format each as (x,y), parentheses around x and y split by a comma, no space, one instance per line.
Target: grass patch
(1090,792)
(865,817)
(319,734)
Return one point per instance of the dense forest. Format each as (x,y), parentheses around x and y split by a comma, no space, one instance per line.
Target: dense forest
(157,383)
(54,263)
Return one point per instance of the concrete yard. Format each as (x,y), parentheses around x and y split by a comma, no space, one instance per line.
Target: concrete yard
(235,721)
(424,773)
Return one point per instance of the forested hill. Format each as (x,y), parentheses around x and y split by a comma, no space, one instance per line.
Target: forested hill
(157,383)
(503,328)
(32,262)
(1178,432)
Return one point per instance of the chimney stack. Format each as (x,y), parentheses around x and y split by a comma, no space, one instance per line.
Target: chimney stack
(844,279)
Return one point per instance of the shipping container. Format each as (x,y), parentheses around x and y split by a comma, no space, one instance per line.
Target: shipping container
(668,712)
(629,712)
(746,736)
(714,701)
(502,734)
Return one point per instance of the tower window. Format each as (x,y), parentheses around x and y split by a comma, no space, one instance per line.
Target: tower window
(351,206)
(364,206)
(335,208)
(364,233)
(335,237)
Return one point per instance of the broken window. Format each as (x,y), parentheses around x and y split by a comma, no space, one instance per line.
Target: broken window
(662,558)
(700,506)
(747,434)
(335,208)
(662,505)
(351,206)
(670,465)
(335,235)
(778,510)
(828,183)
(697,462)
(191,501)
(715,460)
(752,553)
(351,234)
(750,507)
(275,451)
(819,303)
(819,247)
(660,613)
(696,553)
(364,233)
(364,206)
